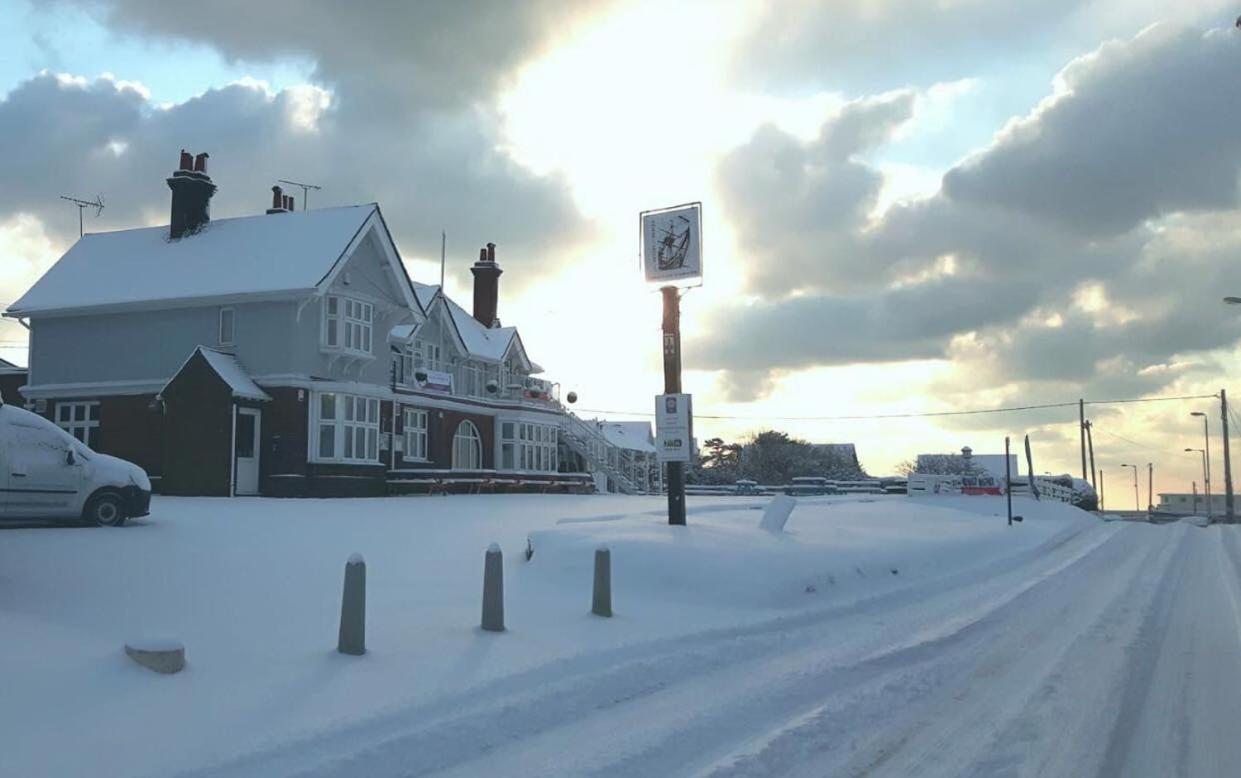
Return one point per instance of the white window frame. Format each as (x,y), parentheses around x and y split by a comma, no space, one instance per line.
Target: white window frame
(67,418)
(232,327)
(354,325)
(353,425)
(529,447)
(470,443)
(416,421)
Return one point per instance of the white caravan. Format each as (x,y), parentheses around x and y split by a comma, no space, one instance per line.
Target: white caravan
(46,473)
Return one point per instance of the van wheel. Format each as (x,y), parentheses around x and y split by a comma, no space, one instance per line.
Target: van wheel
(104,510)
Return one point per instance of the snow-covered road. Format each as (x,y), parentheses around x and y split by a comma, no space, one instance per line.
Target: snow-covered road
(1115,650)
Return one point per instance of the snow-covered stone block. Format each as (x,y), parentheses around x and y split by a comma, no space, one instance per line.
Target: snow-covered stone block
(158,654)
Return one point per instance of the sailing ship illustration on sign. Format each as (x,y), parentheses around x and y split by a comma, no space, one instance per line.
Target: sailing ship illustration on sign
(673,245)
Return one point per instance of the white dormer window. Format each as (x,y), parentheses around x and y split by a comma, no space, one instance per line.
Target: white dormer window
(347,324)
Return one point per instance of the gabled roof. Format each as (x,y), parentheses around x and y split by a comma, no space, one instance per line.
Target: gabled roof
(230,371)
(480,341)
(250,256)
(629,435)
(8,368)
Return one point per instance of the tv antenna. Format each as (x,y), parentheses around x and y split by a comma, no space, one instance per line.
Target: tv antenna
(97,204)
(305,190)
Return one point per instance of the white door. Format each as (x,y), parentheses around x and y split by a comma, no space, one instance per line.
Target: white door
(43,479)
(246,451)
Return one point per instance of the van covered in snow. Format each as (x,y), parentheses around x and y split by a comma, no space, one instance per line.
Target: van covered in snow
(46,473)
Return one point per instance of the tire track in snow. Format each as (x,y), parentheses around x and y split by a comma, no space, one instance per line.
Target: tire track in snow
(499,718)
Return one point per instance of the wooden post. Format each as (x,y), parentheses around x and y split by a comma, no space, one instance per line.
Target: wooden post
(672,385)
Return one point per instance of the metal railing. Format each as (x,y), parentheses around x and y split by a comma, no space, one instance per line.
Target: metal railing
(471,381)
(590,443)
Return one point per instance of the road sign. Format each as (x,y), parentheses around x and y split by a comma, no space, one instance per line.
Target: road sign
(674,427)
(671,244)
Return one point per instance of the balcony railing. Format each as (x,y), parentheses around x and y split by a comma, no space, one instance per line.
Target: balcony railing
(472,382)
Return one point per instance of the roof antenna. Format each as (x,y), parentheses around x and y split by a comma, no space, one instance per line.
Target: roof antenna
(81,204)
(305,190)
(443,253)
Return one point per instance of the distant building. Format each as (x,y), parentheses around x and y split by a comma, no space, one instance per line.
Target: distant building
(1189,504)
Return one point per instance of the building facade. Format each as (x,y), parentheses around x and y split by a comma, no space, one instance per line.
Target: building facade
(288,354)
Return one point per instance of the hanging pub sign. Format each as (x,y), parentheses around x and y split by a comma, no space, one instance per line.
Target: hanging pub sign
(674,427)
(671,245)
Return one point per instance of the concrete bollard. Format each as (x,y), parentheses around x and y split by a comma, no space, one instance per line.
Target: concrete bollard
(493,590)
(352,639)
(601,602)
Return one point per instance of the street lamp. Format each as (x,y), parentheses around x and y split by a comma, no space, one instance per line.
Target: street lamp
(1135,486)
(1206,456)
(1204,476)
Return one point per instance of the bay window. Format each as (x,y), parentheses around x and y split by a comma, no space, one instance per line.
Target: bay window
(526,446)
(348,428)
(347,324)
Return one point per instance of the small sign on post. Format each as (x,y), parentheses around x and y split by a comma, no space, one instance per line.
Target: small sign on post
(674,427)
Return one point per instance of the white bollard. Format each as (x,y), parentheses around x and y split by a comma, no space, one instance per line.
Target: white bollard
(601,601)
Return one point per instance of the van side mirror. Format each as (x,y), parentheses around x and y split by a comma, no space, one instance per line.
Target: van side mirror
(69,458)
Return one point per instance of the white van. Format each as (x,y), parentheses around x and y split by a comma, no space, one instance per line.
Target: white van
(46,473)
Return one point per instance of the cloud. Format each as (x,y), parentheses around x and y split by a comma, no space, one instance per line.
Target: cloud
(83,137)
(1084,249)
(869,45)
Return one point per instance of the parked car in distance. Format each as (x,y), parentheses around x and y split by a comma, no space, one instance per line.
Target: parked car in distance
(808,485)
(46,473)
(746,486)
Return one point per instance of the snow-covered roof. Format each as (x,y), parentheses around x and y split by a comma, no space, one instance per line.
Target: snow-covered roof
(230,371)
(249,255)
(8,368)
(426,294)
(402,332)
(629,435)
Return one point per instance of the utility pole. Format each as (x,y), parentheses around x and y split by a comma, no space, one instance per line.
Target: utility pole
(1150,486)
(672,385)
(1090,445)
(1008,481)
(1195,486)
(1100,488)
(1223,412)
(1206,458)
(1081,421)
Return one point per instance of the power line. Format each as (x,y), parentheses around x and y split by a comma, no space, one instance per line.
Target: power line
(923,415)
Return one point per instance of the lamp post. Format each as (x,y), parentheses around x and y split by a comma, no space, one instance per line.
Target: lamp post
(1206,489)
(1206,458)
(1135,486)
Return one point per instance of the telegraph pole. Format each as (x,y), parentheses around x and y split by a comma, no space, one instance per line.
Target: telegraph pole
(1223,412)
(1150,486)
(1008,481)
(672,385)
(1101,489)
(1090,445)
(1081,421)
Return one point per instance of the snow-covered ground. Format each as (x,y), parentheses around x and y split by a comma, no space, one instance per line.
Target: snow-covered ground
(885,636)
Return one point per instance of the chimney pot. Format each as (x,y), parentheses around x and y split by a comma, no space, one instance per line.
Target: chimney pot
(486,286)
(191,196)
(291,208)
(277,199)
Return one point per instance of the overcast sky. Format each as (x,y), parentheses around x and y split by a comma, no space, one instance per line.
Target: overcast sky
(909,206)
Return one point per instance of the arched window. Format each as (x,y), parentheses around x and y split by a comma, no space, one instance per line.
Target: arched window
(467,447)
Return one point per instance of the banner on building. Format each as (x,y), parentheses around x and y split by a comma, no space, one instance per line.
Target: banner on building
(437,381)
(671,244)
(674,427)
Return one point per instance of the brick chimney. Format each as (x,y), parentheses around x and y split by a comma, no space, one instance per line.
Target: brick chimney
(277,201)
(191,196)
(486,286)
